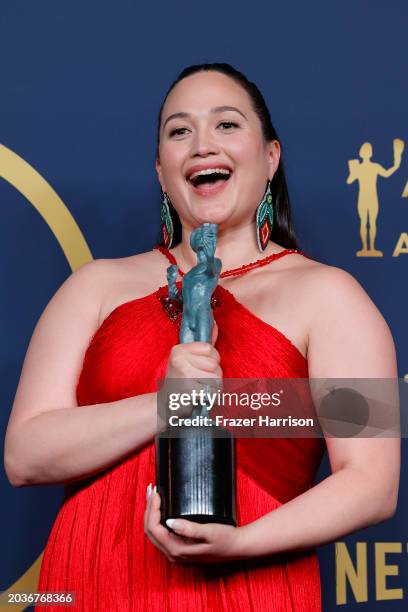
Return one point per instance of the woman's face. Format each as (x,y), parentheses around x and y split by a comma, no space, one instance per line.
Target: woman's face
(208,136)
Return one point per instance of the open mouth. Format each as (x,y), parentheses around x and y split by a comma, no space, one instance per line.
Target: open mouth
(209,181)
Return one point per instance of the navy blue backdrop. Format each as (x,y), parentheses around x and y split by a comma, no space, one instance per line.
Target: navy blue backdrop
(81,84)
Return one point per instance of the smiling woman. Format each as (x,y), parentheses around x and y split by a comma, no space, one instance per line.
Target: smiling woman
(233,125)
(111,333)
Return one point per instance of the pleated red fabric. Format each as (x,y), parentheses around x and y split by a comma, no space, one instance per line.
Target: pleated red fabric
(97,545)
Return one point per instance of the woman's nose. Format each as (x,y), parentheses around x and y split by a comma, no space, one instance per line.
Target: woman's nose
(204,143)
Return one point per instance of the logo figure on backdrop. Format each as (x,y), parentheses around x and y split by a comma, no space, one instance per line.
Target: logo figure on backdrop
(366,172)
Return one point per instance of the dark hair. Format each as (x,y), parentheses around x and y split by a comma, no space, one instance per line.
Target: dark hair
(283,231)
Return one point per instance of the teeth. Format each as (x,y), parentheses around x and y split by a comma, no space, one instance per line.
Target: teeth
(209,171)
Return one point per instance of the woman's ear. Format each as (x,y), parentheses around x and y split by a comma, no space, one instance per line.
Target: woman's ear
(274,152)
(160,174)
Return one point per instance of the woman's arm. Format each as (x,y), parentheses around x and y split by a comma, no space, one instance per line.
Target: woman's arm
(68,444)
(49,439)
(348,500)
(348,339)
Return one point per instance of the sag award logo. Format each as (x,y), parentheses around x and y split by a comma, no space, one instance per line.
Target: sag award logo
(366,173)
(52,209)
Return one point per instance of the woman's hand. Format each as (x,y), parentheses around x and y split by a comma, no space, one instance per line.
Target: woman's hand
(191,364)
(195,359)
(192,542)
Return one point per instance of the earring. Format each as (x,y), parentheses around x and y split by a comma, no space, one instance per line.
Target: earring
(264,219)
(166,221)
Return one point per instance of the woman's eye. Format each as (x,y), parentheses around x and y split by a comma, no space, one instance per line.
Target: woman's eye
(177,131)
(229,123)
(180,131)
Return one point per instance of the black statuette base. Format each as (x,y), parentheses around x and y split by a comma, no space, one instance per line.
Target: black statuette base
(196,475)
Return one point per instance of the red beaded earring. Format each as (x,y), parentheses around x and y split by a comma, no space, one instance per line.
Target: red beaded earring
(166,221)
(264,219)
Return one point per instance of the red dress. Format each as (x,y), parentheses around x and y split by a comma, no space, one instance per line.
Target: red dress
(97,545)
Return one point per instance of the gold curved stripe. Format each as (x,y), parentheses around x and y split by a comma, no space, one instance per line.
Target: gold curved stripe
(46,201)
(27,583)
(42,196)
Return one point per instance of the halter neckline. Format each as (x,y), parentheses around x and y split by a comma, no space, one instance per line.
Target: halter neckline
(235,271)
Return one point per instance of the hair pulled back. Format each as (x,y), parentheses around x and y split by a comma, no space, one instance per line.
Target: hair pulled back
(282,231)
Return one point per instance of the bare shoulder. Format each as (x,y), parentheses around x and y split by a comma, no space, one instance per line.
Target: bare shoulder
(135,264)
(333,294)
(128,278)
(102,282)
(348,335)
(337,289)
(82,288)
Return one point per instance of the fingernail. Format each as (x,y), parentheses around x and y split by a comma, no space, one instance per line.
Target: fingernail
(148,491)
(171,523)
(154,490)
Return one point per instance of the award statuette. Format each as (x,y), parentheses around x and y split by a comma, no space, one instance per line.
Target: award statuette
(195,465)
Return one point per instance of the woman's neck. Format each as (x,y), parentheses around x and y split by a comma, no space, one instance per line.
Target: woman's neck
(234,248)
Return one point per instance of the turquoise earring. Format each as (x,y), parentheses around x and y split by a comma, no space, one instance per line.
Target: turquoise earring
(166,221)
(264,219)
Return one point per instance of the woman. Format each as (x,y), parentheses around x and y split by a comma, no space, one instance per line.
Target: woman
(277,318)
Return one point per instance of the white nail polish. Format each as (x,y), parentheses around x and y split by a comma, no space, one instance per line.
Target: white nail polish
(170,522)
(154,490)
(148,491)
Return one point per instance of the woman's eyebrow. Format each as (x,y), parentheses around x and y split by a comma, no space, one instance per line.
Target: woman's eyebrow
(215,109)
